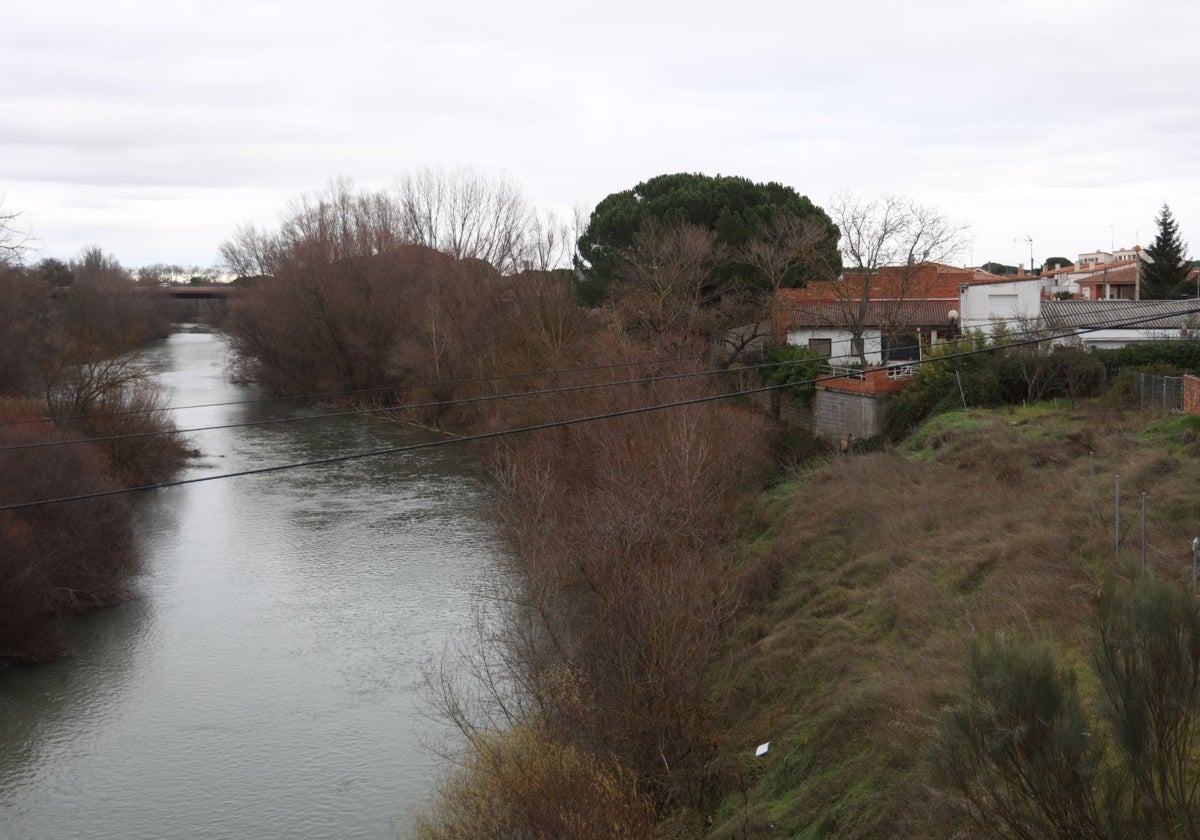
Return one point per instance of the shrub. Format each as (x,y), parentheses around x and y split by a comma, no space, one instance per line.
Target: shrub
(1018,750)
(1175,356)
(528,784)
(1027,759)
(1006,376)
(795,367)
(56,559)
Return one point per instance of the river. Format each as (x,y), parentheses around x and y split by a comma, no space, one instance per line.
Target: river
(265,680)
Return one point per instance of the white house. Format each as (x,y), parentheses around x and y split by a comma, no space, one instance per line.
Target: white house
(1013,303)
(901,329)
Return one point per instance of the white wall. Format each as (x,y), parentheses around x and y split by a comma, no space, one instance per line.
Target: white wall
(980,306)
(1116,339)
(840,344)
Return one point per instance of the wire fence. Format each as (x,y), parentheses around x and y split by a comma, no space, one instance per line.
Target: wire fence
(1161,393)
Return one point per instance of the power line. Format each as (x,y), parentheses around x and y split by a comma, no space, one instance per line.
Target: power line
(530,428)
(464,400)
(328,394)
(1101,307)
(395,450)
(1017,320)
(401,407)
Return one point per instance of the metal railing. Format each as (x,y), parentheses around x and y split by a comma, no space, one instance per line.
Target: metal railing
(895,372)
(843,372)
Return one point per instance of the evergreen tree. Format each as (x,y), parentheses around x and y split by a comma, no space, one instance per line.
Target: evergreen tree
(1167,276)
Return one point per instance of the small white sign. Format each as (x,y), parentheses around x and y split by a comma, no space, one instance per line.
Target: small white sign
(762,749)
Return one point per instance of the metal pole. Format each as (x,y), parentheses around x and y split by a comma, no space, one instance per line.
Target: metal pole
(1195,551)
(1143,532)
(958,376)
(1092,467)
(1117,519)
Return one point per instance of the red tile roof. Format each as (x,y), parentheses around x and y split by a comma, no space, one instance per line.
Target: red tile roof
(927,282)
(879,313)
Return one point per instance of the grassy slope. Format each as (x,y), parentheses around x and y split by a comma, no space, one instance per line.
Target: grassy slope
(883,566)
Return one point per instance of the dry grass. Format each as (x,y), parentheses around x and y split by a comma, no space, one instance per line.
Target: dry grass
(884,567)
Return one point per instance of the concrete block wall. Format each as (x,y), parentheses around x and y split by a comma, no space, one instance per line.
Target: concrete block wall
(836,415)
(839,415)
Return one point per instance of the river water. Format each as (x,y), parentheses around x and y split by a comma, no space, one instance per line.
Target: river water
(265,681)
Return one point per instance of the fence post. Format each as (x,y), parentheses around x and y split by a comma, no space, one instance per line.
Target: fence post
(1092,471)
(1143,532)
(1117,518)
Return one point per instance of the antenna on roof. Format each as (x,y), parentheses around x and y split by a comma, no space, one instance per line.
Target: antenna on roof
(1029,239)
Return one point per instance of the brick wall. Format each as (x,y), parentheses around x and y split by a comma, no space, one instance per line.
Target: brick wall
(1191,394)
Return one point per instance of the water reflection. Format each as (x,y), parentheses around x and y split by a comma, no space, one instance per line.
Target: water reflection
(264,682)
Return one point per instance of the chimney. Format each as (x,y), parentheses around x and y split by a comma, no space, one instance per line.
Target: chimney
(1020,271)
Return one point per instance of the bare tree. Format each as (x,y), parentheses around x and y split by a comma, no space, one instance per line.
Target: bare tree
(250,252)
(887,245)
(466,214)
(95,267)
(773,255)
(14,242)
(549,243)
(661,282)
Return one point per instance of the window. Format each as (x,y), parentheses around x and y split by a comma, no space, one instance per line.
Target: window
(824,346)
(905,347)
(1002,306)
(856,346)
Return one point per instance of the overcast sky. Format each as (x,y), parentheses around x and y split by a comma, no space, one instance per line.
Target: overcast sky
(153,127)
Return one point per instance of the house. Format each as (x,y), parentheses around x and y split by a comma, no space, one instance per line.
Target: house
(889,315)
(1102,275)
(897,329)
(1012,301)
(1111,324)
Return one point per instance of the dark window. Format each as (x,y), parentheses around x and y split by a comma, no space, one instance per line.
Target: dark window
(824,346)
(905,347)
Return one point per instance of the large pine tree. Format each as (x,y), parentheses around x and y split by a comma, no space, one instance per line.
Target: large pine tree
(1166,277)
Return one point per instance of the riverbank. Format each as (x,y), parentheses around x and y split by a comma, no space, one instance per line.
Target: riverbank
(265,681)
(980,523)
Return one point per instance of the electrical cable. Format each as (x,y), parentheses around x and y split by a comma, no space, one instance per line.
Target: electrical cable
(511,395)
(520,430)
(394,450)
(327,394)
(402,407)
(1018,320)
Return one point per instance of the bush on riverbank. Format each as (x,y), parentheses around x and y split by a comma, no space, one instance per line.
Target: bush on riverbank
(56,559)
(528,783)
(71,354)
(624,534)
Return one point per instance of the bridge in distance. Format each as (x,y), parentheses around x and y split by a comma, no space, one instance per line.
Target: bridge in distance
(199,292)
